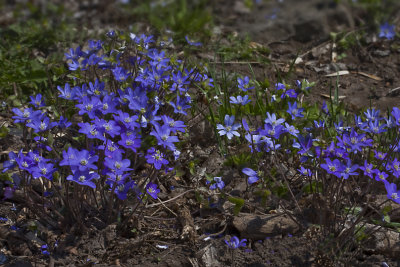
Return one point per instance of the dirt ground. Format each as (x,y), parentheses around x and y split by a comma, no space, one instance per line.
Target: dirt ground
(293,31)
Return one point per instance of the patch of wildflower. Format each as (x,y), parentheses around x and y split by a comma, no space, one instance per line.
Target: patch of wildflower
(126,119)
(332,153)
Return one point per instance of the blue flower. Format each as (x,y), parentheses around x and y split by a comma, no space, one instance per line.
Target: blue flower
(230,127)
(240,100)
(392,192)
(349,169)
(235,243)
(253,175)
(84,177)
(244,84)
(152,190)
(218,183)
(280,86)
(162,134)
(334,167)
(192,43)
(294,111)
(37,101)
(387,31)
(156,158)
(272,120)
(305,172)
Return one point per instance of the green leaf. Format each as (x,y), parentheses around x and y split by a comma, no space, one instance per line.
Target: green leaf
(314,187)
(238,202)
(4,131)
(6,177)
(387,209)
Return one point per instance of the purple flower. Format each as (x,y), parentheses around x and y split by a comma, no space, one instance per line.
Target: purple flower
(173,125)
(380,176)
(305,172)
(120,74)
(8,193)
(387,31)
(156,158)
(272,120)
(289,93)
(89,105)
(121,190)
(325,108)
(396,115)
(380,155)
(253,175)
(43,170)
(244,84)
(84,178)
(11,163)
(291,129)
(368,169)
(41,124)
(218,183)
(240,100)
(349,169)
(392,192)
(306,144)
(162,134)
(83,161)
(235,243)
(180,105)
(280,86)
(63,123)
(44,250)
(192,43)
(230,127)
(108,127)
(108,104)
(152,190)
(130,122)
(37,101)
(334,167)
(373,126)
(90,130)
(395,167)
(294,111)
(117,164)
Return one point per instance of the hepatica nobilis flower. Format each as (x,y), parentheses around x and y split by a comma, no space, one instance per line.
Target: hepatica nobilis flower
(152,190)
(244,84)
(218,183)
(230,127)
(253,175)
(235,242)
(387,31)
(240,100)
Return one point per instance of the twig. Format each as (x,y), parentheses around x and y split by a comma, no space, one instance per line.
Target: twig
(167,208)
(169,200)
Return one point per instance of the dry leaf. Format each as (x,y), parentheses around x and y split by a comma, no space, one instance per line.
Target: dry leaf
(338,73)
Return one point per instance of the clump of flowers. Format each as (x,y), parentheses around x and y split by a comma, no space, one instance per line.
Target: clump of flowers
(338,163)
(114,132)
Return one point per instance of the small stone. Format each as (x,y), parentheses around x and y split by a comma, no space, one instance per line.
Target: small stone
(381,53)
(260,226)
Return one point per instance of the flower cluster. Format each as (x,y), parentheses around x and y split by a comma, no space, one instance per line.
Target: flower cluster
(126,120)
(343,156)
